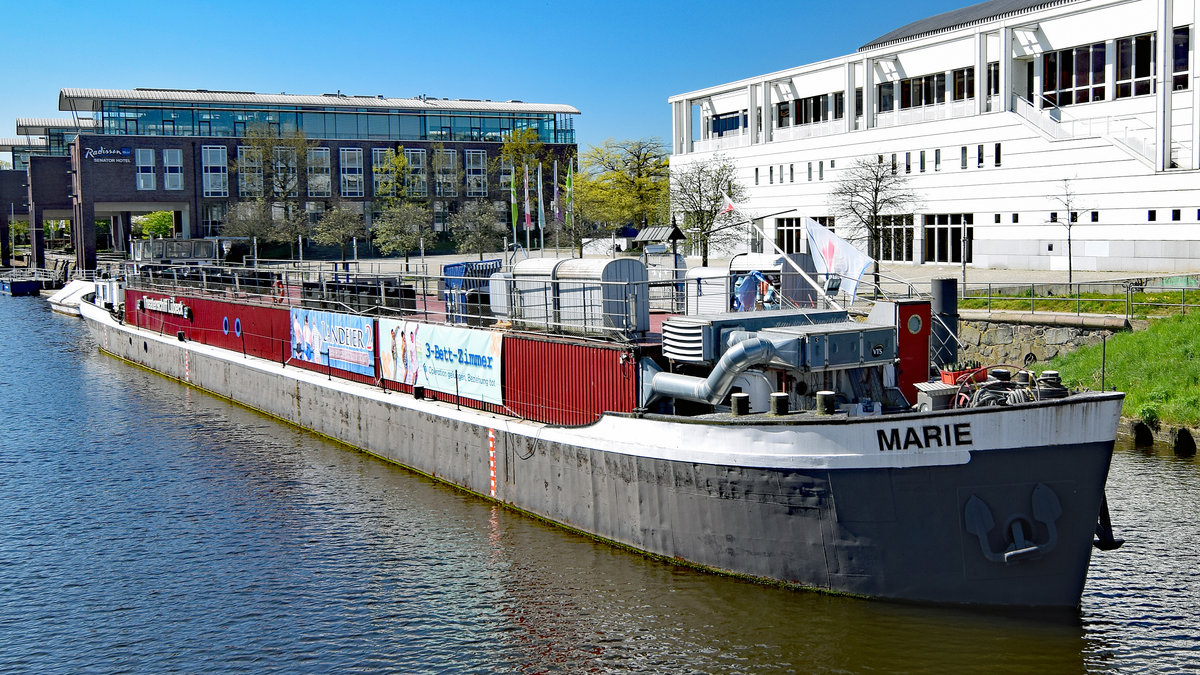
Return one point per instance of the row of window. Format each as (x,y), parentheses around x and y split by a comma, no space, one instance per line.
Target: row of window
(232,120)
(791,172)
(1077,75)
(351,172)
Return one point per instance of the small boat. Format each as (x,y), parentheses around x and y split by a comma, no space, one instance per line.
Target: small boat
(66,299)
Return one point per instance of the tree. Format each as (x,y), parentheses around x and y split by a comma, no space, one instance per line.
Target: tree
(866,191)
(157,224)
(1068,199)
(270,165)
(252,219)
(697,192)
(400,228)
(476,228)
(337,227)
(523,147)
(634,174)
(391,175)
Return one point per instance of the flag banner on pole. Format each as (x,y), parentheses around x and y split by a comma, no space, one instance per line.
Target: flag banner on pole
(726,203)
(528,216)
(512,197)
(541,208)
(834,256)
(570,196)
(554,204)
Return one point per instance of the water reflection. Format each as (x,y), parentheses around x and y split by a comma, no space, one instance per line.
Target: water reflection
(150,527)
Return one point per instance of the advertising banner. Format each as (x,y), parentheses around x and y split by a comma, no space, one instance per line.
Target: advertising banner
(342,341)
(460,361)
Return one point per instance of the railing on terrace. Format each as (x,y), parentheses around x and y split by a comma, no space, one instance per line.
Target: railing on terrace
(1130,298)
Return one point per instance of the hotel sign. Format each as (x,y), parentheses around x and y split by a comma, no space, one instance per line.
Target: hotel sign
(108,155)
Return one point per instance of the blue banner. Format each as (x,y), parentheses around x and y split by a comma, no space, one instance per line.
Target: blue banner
(343,341)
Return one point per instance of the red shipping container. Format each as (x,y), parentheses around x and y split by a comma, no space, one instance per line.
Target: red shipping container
(567,382)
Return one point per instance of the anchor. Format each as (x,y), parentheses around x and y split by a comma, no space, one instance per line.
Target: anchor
(1046,510)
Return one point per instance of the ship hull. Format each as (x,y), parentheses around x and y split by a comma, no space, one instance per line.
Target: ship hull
(992,507)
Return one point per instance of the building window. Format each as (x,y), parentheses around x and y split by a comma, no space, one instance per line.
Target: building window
(993,78)
(812,109)
(1152,215)
(893,240)
(895,166)
(506,176)
(964,83)
(789,235)
(1015,219)
(771,175)
(383,184)
(213,160)
(1073,75)
(476,164)
(756,175)
(1135,66)
(979,157)
(908,162)
(145,168)
(1054,216)
(997,218)
(211,217)
(937,160)
(173,169)
(964,157)
(446,170)
(810,173)
(727,123)
(417,182)
(886,96)
(791,173)
(1095,216)
(320,183)
(821,170)
(996,159)
(249,172)
(922,161)
(1176,214)
(287,174)
(922,91)
(1181,49)
(350,167)
(948,237)
(441,216)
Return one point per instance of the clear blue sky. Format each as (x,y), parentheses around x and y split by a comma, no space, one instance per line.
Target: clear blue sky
(616,62)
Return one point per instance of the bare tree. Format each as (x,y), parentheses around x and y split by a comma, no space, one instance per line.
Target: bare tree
(698,191)
(868,190)
(1068,199)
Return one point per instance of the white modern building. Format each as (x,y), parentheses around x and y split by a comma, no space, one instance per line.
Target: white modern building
(986,110)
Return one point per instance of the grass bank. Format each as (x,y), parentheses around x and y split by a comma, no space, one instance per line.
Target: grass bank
(1139,305)
(1158,369)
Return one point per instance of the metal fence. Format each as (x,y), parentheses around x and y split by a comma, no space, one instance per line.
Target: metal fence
(1140,297)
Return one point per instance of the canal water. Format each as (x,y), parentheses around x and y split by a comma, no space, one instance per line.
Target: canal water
(146,527)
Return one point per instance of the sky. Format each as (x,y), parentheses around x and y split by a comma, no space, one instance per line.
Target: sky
(616,62)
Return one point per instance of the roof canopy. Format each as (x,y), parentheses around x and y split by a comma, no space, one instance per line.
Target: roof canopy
(959,17)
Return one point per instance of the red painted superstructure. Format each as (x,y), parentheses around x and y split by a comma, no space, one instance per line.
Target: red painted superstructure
(567,382)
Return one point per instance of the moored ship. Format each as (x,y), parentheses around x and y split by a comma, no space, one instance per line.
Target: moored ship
(795,445)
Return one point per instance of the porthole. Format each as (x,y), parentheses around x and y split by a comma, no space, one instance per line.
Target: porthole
(914,324)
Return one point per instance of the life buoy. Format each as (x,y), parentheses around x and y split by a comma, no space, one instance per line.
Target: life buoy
(278,290)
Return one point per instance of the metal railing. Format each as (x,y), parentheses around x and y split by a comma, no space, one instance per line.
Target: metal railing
(1129,298)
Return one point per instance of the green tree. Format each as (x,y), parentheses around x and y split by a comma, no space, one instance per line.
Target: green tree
(634,175)
(338,227)
(698,191)
(477,229)
(391,175)
(157,224)
(523,148)
(400,228)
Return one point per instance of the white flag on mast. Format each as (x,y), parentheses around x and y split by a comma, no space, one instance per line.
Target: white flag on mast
(835,256)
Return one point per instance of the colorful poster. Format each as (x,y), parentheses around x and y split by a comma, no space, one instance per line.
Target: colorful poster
(451,360)
(342,341)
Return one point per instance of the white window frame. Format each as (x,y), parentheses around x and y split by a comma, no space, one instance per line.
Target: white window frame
(446,162)
(476,172)
(320,182)
(172,169)
(417,181)
(378,158)
(213,160)
(286,163)
(250,171)
(144,159)
(350,169)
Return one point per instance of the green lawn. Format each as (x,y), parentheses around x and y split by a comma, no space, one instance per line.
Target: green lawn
(1158,369)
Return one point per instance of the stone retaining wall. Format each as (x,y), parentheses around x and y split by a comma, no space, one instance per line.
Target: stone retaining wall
(1000,337)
